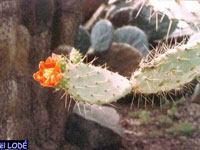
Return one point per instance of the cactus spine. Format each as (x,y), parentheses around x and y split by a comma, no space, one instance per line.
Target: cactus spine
(162,73)
(171,70)
(91,84)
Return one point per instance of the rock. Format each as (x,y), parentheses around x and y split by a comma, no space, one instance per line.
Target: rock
(120,17)
(149,26)
(82,40)
(121,58)
(132,36)
(119,14)
(119,5)
(90,6)
(102,35)
(94,127)
(27,33)
(63,49)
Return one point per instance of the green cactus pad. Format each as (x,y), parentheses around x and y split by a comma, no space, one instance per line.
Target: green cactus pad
(95,85)
(171,70)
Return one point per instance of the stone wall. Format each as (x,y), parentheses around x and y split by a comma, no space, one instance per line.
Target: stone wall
(29,31)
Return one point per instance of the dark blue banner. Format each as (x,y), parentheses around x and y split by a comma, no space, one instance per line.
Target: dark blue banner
(14,144)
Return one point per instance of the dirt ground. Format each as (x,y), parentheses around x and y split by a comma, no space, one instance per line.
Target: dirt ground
(159,131)
(174,127)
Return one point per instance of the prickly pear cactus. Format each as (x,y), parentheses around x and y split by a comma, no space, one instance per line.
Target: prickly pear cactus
(94,85)
(132,36)
(188,11)
(171,70)
(82,40)
(102,35)
(154,24)
(194,38)
(83,82)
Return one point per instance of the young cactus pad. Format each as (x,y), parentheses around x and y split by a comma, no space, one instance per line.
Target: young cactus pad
(94,85)
(171,70)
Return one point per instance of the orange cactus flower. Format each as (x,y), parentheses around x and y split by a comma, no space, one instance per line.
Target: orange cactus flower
(49,73)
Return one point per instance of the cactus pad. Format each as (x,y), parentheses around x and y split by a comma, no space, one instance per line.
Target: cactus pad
(102,35)
(171,70)
(132,36)
(95,85)
(187,11)
(82,40)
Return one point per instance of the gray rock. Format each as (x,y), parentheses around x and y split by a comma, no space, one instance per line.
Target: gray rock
(94,127)
(82,40)
(102,35)
(132,36)
(149,26)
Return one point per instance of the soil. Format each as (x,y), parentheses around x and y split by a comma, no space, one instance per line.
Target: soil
(154,135)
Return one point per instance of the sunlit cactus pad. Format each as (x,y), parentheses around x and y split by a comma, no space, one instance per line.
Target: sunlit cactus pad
(95,85)
(188,11)
(171,70)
